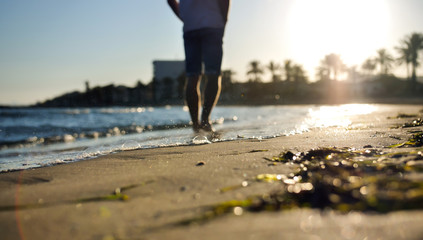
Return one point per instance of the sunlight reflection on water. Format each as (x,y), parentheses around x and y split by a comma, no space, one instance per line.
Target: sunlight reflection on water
(330,116)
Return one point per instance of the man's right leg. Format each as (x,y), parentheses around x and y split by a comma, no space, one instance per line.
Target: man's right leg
(193,99)
(212,56)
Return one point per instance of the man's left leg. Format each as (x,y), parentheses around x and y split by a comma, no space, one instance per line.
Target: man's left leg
(211,96)
(192,97)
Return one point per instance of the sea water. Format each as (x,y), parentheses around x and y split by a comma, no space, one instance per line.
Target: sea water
(37,137)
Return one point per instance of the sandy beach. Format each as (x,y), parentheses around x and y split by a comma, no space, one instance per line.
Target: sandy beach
(164,193)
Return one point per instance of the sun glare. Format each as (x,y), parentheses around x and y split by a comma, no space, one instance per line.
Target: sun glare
(328,116)
(353,29)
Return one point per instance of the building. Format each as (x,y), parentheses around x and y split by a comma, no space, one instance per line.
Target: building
(168,80)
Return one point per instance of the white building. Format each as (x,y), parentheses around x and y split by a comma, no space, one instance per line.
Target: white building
(166,74)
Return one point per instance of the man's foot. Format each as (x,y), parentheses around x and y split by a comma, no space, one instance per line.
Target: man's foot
(206,126)
(196,128)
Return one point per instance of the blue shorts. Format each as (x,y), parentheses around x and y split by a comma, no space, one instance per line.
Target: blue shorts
(203,46)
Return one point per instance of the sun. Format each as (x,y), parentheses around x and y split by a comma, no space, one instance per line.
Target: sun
(355,29)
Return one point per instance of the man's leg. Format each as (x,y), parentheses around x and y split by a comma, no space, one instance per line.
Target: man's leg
(193,56)
(213,52)
(193,99)
(211,96)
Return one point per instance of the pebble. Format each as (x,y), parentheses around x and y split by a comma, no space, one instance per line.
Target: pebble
(201,163)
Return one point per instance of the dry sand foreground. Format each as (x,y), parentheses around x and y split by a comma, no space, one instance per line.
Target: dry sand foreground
(168,185)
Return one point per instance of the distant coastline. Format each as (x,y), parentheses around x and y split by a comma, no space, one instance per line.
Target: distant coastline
(380,89)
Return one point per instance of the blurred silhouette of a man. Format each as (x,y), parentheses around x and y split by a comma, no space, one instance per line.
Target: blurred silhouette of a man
(204,26)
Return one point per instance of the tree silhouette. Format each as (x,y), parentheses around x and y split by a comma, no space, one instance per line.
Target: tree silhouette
(227,80)
(333,64)
(384,59)
(369,66)
(227,75)
(404,56)
(273,68)
(299,75)
(288,70)
(410,49)
(322,73)
(256,70)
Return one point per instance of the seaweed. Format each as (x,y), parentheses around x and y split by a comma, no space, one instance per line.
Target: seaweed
(234,187)
(341,179)
(285,157)
(416,140)
(418,122)
(116,195)
(259,150)
(403,115)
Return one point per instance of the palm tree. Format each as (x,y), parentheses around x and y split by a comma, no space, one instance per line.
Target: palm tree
(299,74)
(227,75)
(384,59)
(322,73)
(227,79)
(369,66)
(256,70)
(288,70)
(333,64)
(414,44)
(404,56)
(273,68)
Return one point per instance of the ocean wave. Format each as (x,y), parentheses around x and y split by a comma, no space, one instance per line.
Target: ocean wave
(14,137)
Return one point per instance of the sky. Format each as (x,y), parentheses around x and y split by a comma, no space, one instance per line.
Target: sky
(50,47)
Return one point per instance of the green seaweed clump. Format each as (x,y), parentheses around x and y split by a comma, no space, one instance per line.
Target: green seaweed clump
(342,179)
(283,157)
(117,195)
(349,179)
(415,123)
(416,140)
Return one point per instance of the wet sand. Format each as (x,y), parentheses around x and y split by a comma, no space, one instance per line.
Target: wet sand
(145,194)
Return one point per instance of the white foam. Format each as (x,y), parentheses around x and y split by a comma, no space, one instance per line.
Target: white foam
(200,140)
(130,145)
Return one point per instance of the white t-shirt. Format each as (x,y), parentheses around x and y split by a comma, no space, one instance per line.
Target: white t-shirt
(197,14)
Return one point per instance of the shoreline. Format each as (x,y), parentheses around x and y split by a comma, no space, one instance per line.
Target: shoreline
(75,139)
(139,194)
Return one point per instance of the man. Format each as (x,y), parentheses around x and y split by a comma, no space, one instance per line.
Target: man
(204,26)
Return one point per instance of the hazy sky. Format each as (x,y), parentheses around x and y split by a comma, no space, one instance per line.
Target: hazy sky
(49,47)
